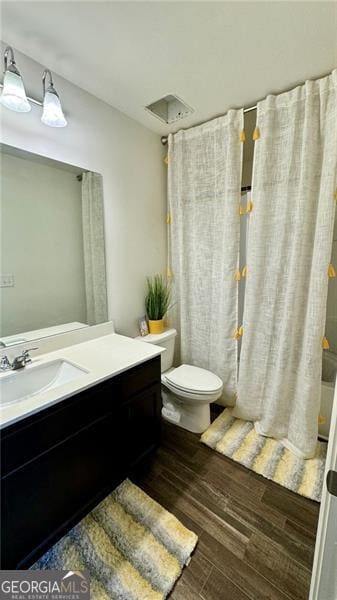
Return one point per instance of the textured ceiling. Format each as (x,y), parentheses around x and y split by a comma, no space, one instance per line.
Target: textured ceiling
(214,55)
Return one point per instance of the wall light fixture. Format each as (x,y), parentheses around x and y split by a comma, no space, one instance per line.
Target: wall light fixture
(14,97)
(52,114)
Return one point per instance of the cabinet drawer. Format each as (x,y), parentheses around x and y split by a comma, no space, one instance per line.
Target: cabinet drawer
(141,377)
(25,440)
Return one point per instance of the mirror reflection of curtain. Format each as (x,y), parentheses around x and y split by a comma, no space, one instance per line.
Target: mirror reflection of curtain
(94,248)
(289,250)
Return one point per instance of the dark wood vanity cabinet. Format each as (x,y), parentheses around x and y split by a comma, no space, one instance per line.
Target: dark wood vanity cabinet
(58,464)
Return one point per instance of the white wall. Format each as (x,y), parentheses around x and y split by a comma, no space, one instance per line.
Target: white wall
(129,156)
(42,246)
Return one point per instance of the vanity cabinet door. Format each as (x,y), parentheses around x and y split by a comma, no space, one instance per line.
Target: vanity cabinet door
(46,497)
(142,419)
(60,463)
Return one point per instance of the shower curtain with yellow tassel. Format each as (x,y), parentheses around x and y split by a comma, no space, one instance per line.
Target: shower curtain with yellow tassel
(289,252)
(204,183)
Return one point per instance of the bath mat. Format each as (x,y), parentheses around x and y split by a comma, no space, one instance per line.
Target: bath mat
(132,547)
(239,441)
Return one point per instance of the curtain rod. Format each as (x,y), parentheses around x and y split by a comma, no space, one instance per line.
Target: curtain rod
(164,138)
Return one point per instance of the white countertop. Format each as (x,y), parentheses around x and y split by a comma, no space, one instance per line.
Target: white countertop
(103,357)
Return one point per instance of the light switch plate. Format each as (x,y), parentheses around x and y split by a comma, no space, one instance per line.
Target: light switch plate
(6,281)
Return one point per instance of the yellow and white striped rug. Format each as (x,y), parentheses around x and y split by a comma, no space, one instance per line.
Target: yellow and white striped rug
(238,440)
(132,547)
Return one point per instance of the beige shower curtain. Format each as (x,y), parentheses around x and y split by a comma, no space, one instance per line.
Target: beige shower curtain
(204,197)
(289,249)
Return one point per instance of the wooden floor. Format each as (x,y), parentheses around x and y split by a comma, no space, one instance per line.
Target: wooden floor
(256,539)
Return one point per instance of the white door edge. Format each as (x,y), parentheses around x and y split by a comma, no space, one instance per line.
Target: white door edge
(321,537)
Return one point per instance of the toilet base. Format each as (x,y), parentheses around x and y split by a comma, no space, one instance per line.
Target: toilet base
(193,417)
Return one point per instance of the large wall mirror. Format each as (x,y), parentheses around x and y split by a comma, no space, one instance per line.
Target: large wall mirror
(52,276)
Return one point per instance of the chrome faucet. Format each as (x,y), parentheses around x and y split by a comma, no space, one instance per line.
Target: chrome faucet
(5,363)
(19,362)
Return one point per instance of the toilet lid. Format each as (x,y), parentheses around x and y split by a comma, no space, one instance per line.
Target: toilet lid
(194,379)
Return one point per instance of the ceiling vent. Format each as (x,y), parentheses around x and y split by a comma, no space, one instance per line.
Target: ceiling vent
(169,109)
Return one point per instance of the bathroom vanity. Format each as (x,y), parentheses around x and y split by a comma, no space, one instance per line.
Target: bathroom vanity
(69,447)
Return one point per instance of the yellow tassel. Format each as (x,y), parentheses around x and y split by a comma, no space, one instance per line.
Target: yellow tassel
(168,219)
(249,207)
(242,136)
(256,134)
(241,211)
(335,194)
(238,333)
(166,159)
(244,271)
(168,272)
(331,271)
(321,420)
(325,344)
(237,276)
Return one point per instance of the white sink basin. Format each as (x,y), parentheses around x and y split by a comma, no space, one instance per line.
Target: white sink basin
(37,378)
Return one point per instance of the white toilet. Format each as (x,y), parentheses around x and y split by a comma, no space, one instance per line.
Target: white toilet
(187,391)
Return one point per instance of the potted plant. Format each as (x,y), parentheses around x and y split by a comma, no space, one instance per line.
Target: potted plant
(157,302)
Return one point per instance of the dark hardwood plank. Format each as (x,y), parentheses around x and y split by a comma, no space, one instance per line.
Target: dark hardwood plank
(245,576)
(238,493)
(198,511)
(214,466)
(286,540)
(301,510)
(170,505)
(277,566)
(302,534)
(256,539)
(213,499)
(218,586)
(220,488)
(189,586)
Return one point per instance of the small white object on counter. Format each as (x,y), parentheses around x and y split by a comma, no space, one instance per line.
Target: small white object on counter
(102,358)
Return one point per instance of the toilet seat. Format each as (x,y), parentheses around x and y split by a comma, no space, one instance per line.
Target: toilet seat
(193,381)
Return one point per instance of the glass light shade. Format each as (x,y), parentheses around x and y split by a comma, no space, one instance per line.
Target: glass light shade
(13,93)
(52,114)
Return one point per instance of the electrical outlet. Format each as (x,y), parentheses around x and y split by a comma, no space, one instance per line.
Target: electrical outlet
(6,281)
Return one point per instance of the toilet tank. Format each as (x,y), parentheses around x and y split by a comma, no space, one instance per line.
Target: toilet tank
(165,340)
